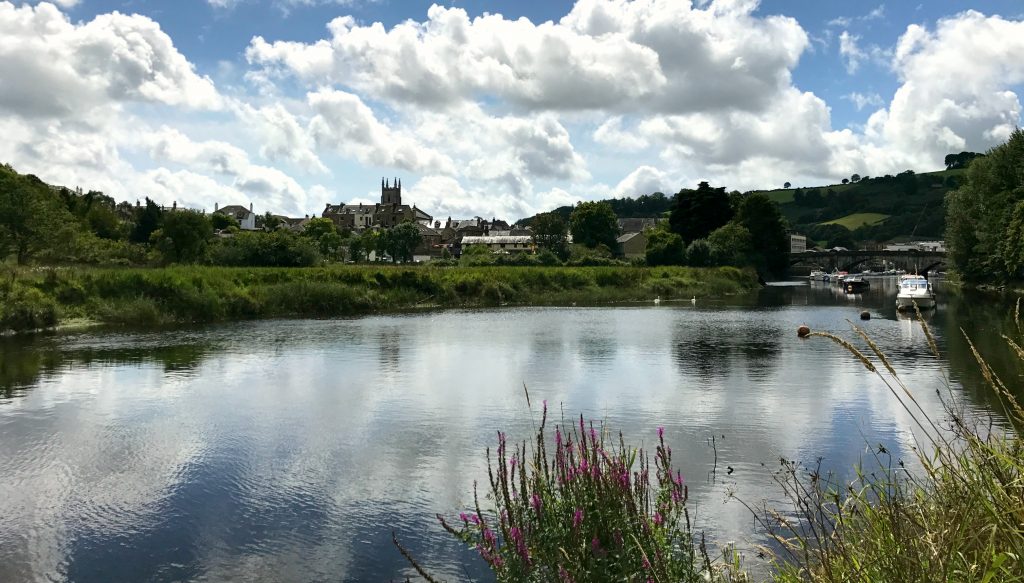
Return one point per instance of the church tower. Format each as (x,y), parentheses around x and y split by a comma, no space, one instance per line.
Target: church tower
(391,192)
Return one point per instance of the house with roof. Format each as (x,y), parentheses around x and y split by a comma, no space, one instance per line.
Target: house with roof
(500,244)
(632,245)
(245,216)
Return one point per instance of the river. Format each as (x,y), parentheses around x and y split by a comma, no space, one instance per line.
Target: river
(289,450)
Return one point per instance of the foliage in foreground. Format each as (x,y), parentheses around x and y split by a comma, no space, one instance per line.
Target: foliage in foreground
(587,509)
(961,520)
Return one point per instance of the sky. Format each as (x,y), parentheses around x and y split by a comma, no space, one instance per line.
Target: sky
(499,108)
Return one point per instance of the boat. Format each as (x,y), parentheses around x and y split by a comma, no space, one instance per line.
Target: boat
(838,276)
(818,275)
(915,289)
(855,284)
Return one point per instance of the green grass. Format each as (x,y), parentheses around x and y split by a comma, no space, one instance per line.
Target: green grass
(855,220)
(45,297)
(960,519)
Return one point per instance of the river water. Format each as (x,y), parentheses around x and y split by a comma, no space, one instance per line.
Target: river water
(290,450)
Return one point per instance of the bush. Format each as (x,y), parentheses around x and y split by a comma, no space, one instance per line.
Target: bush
(262,249)
(698,254)
(27,308)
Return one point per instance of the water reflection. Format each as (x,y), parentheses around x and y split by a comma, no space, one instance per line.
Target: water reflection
(289,450)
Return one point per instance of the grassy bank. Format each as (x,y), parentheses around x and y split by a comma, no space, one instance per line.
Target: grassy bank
(40,298)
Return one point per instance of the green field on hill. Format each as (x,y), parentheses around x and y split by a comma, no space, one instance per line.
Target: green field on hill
(858,220)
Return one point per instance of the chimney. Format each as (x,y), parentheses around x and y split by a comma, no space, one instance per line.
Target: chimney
(174,205)
(250,207)
(215,205)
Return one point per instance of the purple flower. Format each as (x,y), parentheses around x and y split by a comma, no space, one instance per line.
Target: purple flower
(474,519)
(584,466)
(679,478)
(464,517)
(661,432)
(647,565)
(595,546)
(536,502)
(577,518)
(658,519)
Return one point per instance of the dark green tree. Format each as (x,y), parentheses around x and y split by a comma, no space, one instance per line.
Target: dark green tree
(731,244)
(698,254)
(762,217)
(549,232)
(31,217)
(184,236)
(664,248)
(593,224)
(699,212)
(325,236)
(221,221)
(147,220)
(400,242)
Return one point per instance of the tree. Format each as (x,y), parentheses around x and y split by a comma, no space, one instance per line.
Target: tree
(762,217)
(855,178)
(549,232)
(699,212)
(593,224)
(325,236)
(981,214)
(270,222)
(148,219)
(731,244)
(786,185)
(400,242)
(221,221)
(664,248)
(184,236)
(1013,243)
(698,253)
(30,216)
(846,181)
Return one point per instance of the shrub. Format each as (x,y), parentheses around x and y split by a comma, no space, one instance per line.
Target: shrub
(26,308)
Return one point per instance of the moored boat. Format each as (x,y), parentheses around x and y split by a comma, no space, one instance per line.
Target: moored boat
(818,275)
(855,284)
(915,289)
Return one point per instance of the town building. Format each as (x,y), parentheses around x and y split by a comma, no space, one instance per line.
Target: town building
(389,212)
(797,243)
(632,245)
(245,216)
(506,244)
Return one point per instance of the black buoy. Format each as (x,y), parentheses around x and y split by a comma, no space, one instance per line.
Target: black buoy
(865,315)
(803,331)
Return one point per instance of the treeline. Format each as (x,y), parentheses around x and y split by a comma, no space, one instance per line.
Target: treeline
(58,226)
(706,227)
(985,216)
(643,206)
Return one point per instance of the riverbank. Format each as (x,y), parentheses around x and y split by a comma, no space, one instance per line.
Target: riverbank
(45,298)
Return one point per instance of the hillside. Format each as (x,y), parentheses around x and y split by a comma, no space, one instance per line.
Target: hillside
(873,209)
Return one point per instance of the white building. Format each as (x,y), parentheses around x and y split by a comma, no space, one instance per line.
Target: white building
(797,243)
(245,216)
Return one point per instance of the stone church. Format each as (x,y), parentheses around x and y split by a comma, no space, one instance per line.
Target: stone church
(386,214)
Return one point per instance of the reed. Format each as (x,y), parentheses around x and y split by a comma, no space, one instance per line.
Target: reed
(960,519)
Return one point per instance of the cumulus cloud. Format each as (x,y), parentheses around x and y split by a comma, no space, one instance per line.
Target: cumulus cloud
(610,133)
(76,67)
(345,123)
(644,180)
(602,55)
(281,136)
(862,100)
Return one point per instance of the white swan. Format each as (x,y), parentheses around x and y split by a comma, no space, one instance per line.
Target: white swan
(693,300)
(657,300)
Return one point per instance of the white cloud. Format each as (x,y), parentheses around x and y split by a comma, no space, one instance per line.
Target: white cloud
(645,180)
(602,55)
(76,67)
(345,123)
(862,100)
(610,133)
(281,137)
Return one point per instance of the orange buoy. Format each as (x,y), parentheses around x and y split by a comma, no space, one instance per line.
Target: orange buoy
(803,331)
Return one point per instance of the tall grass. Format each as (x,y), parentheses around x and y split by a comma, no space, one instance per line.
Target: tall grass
(39,298)
(961,518)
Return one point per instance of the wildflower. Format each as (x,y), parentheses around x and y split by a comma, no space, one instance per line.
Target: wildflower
(646,564)
(536,502)
(474,519)
(464,517)
(661,432)
(595,547)
(658,519)
(577,518)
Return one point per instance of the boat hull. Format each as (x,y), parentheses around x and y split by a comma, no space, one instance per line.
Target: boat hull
(907,302)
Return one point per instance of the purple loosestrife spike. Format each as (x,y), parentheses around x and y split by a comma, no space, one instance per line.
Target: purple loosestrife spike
(464,517)
(661,432)
(658,519)
(474,519)
(577,518)
(536,502)
(593,436)
(595,546)
(584,466)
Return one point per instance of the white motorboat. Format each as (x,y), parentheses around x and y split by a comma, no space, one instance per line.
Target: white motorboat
(818,275)
(915,289)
